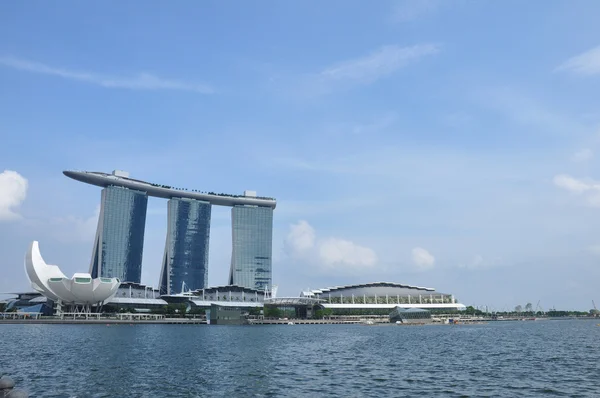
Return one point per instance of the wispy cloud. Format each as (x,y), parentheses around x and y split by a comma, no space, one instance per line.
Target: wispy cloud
(376,125)
(594,249)
(422,258)
(142,81)
(587,63)
(583,155)
(522,109)
(378,64)
(65,229)
(409,10)
(590,189)
(477,262)
(575,185)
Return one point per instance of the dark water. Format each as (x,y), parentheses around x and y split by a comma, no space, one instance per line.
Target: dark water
(530,359)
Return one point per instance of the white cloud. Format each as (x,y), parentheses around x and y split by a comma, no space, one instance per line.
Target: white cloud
(302,243)
(75,229)
(583,155)
(574,185)
(477,262)
(381,63)
(340,252)
(593,199)
(409,10)
(422,258)
(301,238)
(588,188)
(594,249)
(13,191)
(587,63)
(142,81)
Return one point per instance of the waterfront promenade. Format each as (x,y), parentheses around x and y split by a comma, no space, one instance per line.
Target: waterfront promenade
(103,321)
(96,319)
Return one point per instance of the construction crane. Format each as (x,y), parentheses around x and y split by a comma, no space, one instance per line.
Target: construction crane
(539,307)
(595,309)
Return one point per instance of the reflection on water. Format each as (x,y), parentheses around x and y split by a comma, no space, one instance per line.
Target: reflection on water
(497,359)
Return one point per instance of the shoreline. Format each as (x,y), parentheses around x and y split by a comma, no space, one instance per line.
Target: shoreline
(101,321)
(254,322)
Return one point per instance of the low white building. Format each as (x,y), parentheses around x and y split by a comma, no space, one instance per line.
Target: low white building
(383,295)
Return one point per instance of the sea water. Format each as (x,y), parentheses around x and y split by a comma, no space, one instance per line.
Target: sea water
(527,359)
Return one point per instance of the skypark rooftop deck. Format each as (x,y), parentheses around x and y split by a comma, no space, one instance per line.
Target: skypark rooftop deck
(165,191)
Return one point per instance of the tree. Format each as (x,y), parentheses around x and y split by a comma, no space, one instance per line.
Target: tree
(272,312)
(322,313)
(2,307)
(197,311)
(518,308)
(175,309)
(160,310)
(254,311)
(470,310)
(528,307)
(108,309)
(181,309)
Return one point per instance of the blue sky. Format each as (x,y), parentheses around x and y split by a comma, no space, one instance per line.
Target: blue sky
(450,144)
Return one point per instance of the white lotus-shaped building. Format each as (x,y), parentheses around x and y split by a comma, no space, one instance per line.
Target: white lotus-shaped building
(81,289)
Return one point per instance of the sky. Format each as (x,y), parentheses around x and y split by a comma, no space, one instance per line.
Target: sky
(451,144)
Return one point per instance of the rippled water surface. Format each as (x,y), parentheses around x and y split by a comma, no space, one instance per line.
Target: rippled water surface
(542,358)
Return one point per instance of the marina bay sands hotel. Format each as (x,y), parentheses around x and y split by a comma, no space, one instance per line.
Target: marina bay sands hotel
(119,238)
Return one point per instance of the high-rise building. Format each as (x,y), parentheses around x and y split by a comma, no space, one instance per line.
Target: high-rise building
(252,241)
(120,235)
(186,250)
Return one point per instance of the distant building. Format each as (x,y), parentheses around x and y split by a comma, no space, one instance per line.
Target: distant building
(185,262)
(381,296)
(252,241)
(135,296)
(29,302)
(228,295)
(120,235)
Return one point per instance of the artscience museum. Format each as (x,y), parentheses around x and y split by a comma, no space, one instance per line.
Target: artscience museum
(80,292)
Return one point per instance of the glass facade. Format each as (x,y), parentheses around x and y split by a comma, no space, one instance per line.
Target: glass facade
(120,236)
(252,241)
(410,315)
(186,249)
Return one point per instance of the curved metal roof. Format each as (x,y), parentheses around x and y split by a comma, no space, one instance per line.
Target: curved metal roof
(458,306)
(164,191)
(372,284)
